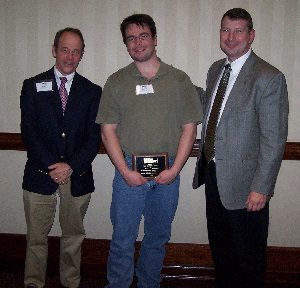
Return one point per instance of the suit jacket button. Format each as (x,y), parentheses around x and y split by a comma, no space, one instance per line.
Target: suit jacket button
(62,157)
(63,135)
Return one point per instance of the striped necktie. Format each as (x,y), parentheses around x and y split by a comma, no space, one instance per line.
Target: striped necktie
(209,142)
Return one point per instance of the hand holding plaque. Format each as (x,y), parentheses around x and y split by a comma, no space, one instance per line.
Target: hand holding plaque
(150,165)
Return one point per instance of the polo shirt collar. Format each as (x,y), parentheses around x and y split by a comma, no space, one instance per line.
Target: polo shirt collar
(134,71)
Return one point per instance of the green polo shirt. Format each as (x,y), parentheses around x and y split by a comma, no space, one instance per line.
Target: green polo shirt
(150,122)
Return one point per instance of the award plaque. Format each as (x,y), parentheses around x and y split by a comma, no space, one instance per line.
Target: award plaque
(150,165)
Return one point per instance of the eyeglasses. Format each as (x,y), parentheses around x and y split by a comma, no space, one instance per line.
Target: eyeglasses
(141,37)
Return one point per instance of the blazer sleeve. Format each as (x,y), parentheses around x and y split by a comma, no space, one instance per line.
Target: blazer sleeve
(36,150)
(273,111)
(84,155)
(201,94)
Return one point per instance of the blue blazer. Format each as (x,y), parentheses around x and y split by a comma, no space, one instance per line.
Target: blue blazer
(51,137)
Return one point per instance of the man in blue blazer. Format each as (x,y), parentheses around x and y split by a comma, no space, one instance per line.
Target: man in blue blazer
(58,111)
(249,144)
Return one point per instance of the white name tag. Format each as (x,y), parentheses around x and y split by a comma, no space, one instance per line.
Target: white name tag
(44,86)
(144,89)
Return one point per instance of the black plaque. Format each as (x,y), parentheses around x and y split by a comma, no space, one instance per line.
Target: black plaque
(150,165)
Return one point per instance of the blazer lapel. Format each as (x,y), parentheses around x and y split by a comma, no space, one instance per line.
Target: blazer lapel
(74,97)
(54,98)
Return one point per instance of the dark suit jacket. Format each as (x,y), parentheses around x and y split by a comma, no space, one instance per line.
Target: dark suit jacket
(251,134)
(52,137)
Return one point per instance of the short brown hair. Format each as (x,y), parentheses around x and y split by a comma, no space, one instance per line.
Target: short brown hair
(239,13)
(68,29)
(139,20)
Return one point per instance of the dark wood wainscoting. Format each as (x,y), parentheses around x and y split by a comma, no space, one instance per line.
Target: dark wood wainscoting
(13,141)
(186,265)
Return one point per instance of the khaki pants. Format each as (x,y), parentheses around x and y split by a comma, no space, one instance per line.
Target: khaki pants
(40,213)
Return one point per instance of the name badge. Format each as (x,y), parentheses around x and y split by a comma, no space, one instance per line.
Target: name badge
(44,86)
(144,89)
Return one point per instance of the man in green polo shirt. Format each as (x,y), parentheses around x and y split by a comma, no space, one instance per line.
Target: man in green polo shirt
(148,114)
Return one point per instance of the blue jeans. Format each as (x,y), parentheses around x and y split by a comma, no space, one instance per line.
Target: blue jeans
(158,204)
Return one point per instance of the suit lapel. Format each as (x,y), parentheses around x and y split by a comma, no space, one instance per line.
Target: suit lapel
(238,90)
(211,84)
(240,86)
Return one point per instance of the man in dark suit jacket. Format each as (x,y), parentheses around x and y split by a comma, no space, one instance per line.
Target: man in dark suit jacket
(249,144)
(61,144)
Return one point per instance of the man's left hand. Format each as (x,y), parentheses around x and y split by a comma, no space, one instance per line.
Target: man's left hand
(165,177)
(60,172)
(256,201)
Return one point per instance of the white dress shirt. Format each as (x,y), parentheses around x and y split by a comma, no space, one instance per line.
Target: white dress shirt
(69,77)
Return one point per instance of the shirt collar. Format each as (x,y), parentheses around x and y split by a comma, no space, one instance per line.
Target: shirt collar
(237,64)
(58,75)
(134,71)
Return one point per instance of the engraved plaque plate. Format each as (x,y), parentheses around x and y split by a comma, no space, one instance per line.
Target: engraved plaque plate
(150,165)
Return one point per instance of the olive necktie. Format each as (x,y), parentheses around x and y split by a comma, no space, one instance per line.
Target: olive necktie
(209,142)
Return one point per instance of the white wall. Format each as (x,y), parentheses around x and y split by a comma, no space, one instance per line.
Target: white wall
(187,39)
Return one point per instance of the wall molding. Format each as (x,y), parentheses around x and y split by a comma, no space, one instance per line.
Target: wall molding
(13,141)
(189,264)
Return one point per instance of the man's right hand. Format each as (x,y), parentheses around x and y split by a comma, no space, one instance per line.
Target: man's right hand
(133,178)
